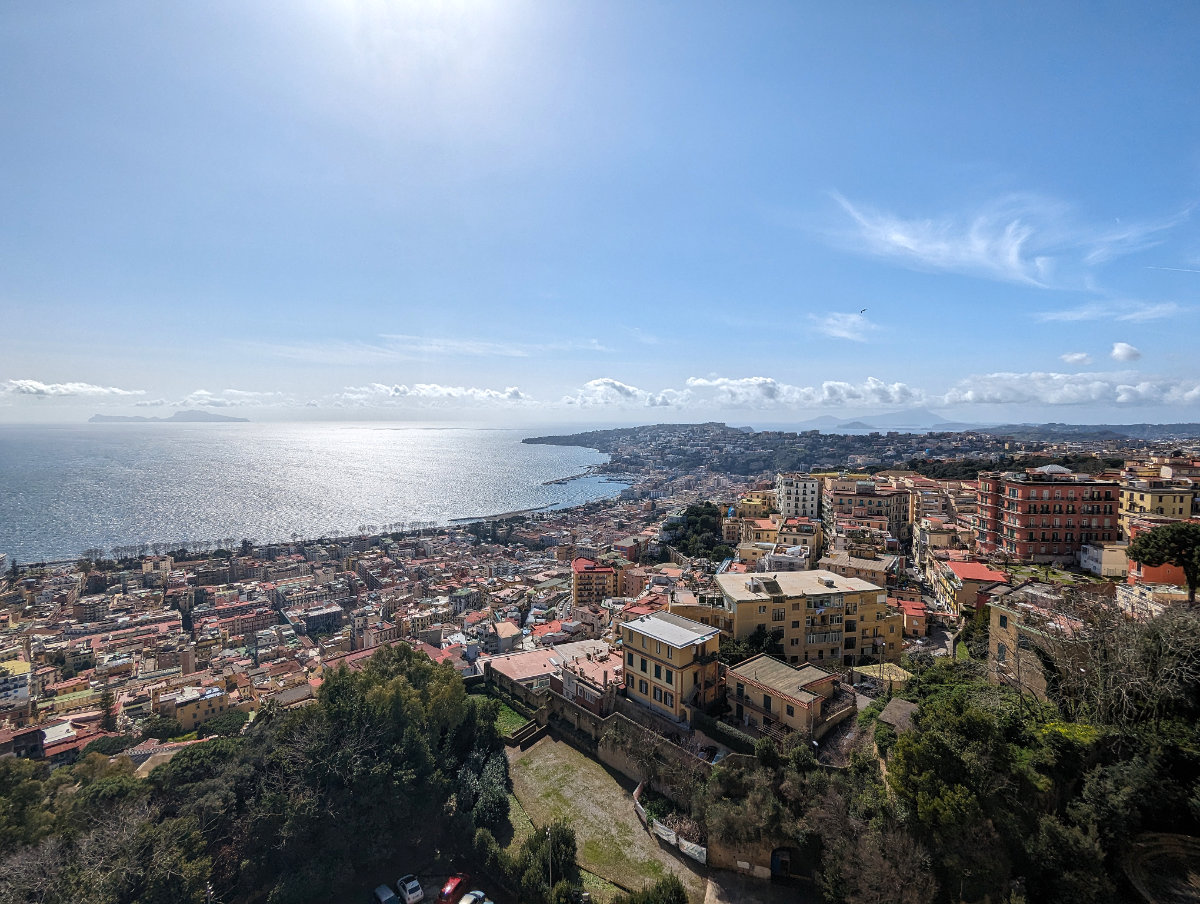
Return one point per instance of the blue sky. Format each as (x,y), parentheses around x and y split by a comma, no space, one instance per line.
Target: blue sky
(600,212)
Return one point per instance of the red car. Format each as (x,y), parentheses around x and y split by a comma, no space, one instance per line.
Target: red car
(455,887)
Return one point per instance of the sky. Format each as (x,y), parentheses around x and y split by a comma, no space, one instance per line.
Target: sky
(600,212)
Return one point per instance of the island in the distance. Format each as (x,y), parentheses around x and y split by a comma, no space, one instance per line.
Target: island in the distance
(179,417)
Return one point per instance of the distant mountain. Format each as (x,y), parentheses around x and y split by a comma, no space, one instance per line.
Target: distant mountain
(179,417)
(1053,431)
(914,418)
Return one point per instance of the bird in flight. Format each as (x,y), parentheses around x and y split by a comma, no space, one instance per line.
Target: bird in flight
(863,311)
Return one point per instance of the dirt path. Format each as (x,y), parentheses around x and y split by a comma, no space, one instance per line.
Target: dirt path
(553,780)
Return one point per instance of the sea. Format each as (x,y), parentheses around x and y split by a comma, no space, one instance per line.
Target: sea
(68,488)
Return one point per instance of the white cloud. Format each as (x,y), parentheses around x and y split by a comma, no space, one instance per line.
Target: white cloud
(1127,311)
(427,394)
(39,389)
(755,393)
(607,392)
(844,325)
(1123,351)
(1021,238)
(1048,388)
(1076,358)
(233,398)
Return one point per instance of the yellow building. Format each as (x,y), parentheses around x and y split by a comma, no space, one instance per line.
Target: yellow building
(822,617)
(1153,497)
(193,705)
(776,698)
(755,505)
(670,661)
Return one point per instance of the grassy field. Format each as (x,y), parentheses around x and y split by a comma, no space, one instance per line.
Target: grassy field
(602,891)
(552,780)
(509,720)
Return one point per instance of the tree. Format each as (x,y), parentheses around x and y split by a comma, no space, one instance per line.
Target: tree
(1176,544)
(108,706)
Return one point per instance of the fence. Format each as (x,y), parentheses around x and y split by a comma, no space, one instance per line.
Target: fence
(697,852)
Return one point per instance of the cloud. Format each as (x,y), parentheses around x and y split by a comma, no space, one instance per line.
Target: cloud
(38,389)
(1021,238)
(421,394)
(233,398)
(1126,311)
(1123,351)
(607,392)
(1076,358)
(1048,388)
(844,325)
(755,393)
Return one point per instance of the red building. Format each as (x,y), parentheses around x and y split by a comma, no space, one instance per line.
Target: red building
(1045,514)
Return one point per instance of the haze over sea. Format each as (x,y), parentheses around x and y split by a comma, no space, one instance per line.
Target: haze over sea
(64,489)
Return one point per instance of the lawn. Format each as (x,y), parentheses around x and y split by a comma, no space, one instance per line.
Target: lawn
(552,780)
(509,720)
(600,889)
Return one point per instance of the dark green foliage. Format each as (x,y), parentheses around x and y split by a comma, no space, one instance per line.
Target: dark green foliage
(668,890)
(734,650)
(699,534)
(1176,544)
(282,813)
(226,725)
(161,729)
(111,746)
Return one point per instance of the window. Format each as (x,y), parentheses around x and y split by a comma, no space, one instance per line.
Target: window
(657,672)
(658,695)
(767,702)
(643,643)
(669,699)
(741,689)
(790,710)
(1001,652)
(642,685)
(669,656)
(643,663)
(762,610)
(657,648)
(795,641)
(776,615)
(670,677)
(1003,621)
(630,661)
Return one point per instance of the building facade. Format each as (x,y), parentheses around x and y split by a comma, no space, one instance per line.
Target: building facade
(820,617)
(670,661)
(798,495)
(1045,515)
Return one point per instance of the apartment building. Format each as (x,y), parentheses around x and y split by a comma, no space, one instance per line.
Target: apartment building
(1160,498)
(591,582)
(777,698)
(798,495)
(670,661)
(822,617)
(863,499)
(1046,514)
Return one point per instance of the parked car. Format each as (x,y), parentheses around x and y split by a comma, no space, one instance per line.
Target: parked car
(384,895)
(453,889)
(410,890)
(474,897)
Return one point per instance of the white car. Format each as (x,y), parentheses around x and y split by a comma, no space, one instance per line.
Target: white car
(410,889)
(474,897)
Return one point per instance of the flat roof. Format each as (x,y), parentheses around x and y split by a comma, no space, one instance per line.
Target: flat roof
(792,583)
(672,629)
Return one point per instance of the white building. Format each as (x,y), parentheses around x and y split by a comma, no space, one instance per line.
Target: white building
(797,495)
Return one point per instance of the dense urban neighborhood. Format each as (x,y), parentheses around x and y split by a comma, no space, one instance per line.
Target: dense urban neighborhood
(776,667)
